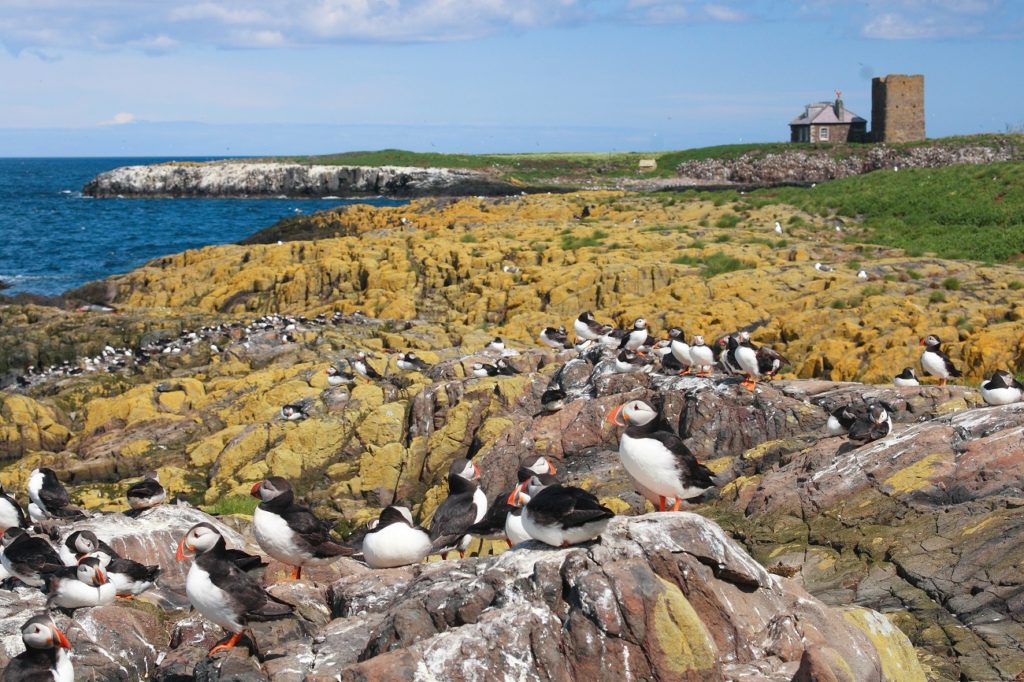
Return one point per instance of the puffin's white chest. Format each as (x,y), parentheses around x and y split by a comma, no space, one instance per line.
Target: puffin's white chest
(514,530)
(480,502)
(651,464)
(702,356)
(63,671)
(899,381)
(556,536)
(8,514)
(66,555)
(276,538)
(583,331)
(746,358)
(681,352)
(210,600)
(74,594)
(636,339)
(1000,396)
(934,364)
(395,545)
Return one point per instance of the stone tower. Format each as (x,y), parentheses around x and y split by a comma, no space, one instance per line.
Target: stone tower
(897,108)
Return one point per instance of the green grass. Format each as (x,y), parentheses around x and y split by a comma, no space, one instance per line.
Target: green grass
(728,220)
(713,264)
(571,242)
(951,284)
(468,239)
(1015,285)
(233,504)
(958,212)
(937,297)
(914,274)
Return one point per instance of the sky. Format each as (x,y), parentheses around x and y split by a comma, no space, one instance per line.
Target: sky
(250,77)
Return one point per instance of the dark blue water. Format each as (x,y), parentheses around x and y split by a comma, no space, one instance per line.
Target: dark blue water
(53,239)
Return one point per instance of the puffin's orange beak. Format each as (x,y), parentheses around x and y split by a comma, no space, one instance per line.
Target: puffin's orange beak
(514,494)
(616,417)
(922,342)
(551,465)
(255,492)
(61,639)
(181,555)
(476,469)
(101,577)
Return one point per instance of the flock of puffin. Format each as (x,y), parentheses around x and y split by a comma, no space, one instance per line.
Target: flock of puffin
(84,571)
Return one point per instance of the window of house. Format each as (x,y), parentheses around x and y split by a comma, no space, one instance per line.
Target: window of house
(823,134)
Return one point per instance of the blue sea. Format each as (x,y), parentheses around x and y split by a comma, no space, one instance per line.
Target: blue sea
(53,239)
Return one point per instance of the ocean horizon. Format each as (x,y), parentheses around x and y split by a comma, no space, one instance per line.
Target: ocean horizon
(52,238)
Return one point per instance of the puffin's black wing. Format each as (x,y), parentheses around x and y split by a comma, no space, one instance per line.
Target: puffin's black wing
(953,371)
(494,520)
(692,471)
(133,569)
(145,489)
(243,560)
(568,506)
(312,530)
(31,665)
(452,520)
(848,415)
(34,555)
(247,595)
(54,498)
(863,431)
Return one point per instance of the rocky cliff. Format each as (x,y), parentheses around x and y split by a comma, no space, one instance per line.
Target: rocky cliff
(241,179)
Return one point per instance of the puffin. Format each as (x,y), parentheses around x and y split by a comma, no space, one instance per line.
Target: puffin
(680,350)
(482,370)
(495,521)
(555,338)
(745,357)
(410,362)
(222,592)
(504,368)
(294,412)
(770,361)
(396,540)
(634,340)
(28,558)
(561,515)
(1001,389)
(75,587)
(338,377)
(129,577)
(465,505)
(11,513)
(363,368)
(588,328)
(146,493)
(656,459)
(701,356)
(79,544)
(496,344)
(552,400)
(874,425)
(44,658)
(628,361)
(727,346)
(515,533)
(48,497)
(289,532)
(935,362)
(906,378)
(843,417)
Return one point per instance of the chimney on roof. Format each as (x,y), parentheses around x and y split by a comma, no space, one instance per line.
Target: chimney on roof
(838,107)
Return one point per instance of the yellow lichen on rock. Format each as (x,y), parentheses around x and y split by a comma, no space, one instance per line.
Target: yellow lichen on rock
(895,652)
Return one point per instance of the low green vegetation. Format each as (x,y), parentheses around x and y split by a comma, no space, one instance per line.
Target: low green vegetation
(951,284)
(959,212)
(233,504)
(571,242)
(728,220)
(712,264)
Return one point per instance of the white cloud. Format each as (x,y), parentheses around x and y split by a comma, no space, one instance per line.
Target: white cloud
(900,27)
(121,118)
(725,13)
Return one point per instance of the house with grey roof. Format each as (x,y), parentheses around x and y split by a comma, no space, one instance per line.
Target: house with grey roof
(828,122)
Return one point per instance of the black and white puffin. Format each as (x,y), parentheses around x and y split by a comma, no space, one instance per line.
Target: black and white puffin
(495,519)
(770,361)
(11,513)
(843,417)
(79,544)
(552,400)
(657,459)
(396,540)
(294,412)
(680,350)
(935,362)
(76,587)
(555,338)
(129,577)
(702,356)
(361,366)
(465,505)
(28,558)
(48,498)
(560,515)
(338,377)
(496,344)
(290,532)
(874,425)
(635,338)
(745,357)
(588,328)
(146,493)
(906,378)
(44,658)
(627,362)
(504,368)
(727,346)
(410,362)
(222,592)
(1001,389)
(482,370)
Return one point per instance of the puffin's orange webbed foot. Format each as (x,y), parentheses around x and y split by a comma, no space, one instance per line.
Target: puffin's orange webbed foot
(224,646)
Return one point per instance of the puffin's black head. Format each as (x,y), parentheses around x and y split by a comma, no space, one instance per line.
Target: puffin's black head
(392,515)
(698,340)
(878,413)
(82,542)
(640,323)
(90,571)
(273,488)
(675,333)
(539,465)
(907,373)
(587,316)
(10,535)
(199,539)
(39,632)
(931,342)
(464,468)
(634,412)
(1000,379)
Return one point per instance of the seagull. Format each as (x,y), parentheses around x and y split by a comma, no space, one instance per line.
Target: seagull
(862,274)
(778,227)
(820,267)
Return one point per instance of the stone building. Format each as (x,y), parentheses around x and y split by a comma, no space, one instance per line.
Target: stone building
(897,108)
(828,122)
